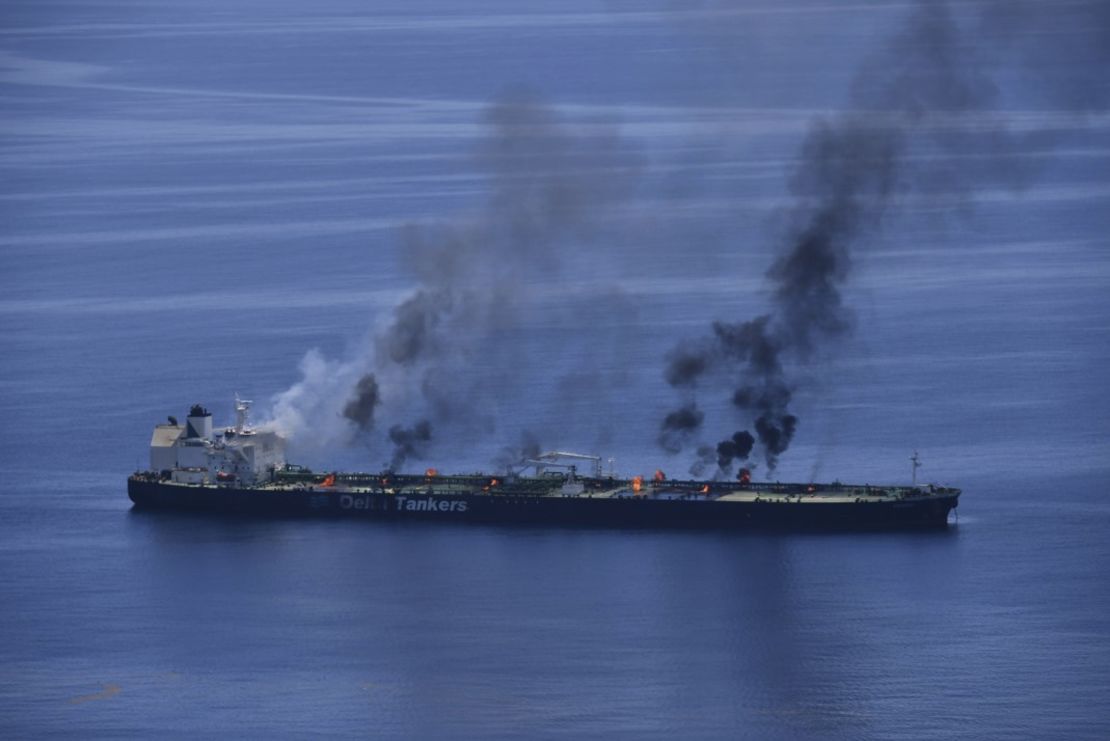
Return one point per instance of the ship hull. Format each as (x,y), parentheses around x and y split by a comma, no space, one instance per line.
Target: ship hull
(794,514)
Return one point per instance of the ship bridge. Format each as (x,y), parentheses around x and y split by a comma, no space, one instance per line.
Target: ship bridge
(196,453)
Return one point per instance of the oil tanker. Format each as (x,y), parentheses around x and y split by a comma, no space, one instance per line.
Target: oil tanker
(241,470)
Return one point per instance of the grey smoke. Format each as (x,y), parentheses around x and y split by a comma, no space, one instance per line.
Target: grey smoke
(363,401)
(438,356)
(409,442)
(851,165)
(479,277)
(678,426)
(511,456)
(548,183)
(707,458)
(414,323)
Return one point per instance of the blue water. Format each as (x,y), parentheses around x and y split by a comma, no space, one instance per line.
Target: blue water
(194,196)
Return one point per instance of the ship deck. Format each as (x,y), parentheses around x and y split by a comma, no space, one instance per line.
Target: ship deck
(687,491)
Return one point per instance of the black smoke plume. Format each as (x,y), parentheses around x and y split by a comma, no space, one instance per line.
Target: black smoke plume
(360,407)
(408,442)
(738,448)
(678,426)
(511,456)
(851,165)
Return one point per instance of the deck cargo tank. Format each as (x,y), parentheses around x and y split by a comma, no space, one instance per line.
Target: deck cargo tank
(241,470)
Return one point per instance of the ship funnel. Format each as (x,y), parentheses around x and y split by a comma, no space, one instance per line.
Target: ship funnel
(242,414)
(199,423)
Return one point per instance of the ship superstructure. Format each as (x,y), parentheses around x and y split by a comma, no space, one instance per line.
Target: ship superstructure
(195,453)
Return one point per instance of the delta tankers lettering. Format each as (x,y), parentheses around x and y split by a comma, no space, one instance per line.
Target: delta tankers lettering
(406,504)
(430,505)
(239,470)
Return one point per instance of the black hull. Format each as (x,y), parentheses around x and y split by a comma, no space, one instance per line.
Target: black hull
(917,513)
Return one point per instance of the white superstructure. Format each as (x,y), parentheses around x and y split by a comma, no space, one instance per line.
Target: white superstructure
(196,453)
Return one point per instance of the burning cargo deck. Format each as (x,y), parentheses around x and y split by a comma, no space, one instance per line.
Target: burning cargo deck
(240,470)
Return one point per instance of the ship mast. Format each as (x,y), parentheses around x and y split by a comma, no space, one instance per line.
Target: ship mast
(916,461)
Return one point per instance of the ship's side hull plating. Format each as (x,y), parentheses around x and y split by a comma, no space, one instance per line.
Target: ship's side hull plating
(794,514)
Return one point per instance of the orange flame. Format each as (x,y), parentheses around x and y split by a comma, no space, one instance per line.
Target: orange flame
(637,483)
(705,489)
(329,480)
(659,476)
(745,477)
(431,473)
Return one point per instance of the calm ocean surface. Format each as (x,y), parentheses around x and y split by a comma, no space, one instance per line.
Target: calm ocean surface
(195,195)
